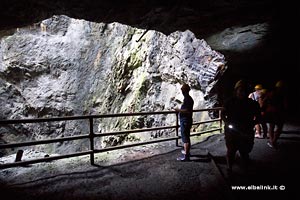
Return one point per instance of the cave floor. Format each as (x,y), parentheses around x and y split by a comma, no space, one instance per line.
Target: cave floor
(271,172)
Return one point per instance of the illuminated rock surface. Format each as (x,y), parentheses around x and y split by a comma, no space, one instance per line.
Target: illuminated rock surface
(63,66)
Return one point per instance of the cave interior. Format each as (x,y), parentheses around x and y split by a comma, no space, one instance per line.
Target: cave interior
(275,58)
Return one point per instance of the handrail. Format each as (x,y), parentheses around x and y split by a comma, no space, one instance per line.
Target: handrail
(67,118)
(46,159)
(37,120)
(93,135)
(22,144)
(135,131)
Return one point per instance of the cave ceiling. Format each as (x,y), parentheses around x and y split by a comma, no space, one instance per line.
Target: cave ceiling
(204,18)
(201,17)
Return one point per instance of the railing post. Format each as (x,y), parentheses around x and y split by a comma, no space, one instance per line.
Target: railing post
(177,127)
(92,136)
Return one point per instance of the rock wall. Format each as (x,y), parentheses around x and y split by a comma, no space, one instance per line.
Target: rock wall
(63,67)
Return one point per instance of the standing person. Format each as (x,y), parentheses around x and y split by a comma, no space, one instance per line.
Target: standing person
(263,123)
(275,112)
(256,96)
(257,91)
(240,114)
(186,121)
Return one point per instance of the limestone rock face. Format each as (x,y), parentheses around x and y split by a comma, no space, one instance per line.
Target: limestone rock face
(63,67)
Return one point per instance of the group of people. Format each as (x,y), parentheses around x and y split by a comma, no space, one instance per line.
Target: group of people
(259,95)
(273,106)
(260,110)
(259,114)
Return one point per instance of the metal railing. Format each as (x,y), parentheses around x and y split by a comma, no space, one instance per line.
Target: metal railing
(92,135)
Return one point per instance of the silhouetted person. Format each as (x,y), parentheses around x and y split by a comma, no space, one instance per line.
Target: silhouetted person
(257,95)
(275,104)
(186,121)
(263,123)
(240,114)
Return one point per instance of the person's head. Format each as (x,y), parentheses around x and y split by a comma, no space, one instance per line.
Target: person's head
(185,88)
(240,89)
(258,87)
(263,92)
(280,86)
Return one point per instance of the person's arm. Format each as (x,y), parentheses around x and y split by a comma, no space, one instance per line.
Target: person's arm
(224,111)
(224,116)
(187,107)
(250,95)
